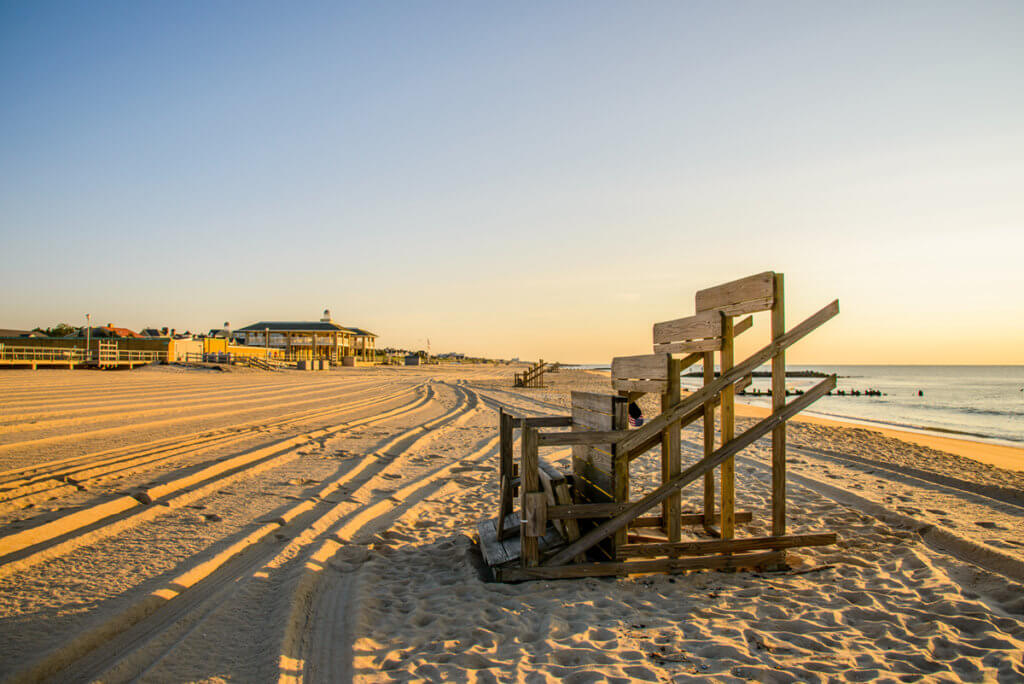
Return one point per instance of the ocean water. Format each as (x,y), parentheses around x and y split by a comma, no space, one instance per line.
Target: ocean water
(973,402)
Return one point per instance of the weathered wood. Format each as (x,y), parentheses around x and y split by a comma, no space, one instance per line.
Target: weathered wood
(535,518)
(530,484)
(547,439)
(644,373)
(696,548)
(708,413)
(688,346)
(620,465)
(595,401)
(582,418)
(701,326)
(778,399)
(746,295)
(646,386)
(642,367)
(687,519)
(670,454)
(655,497)
(505,468)
(752,560)
(728,409)
(657,424)
(545,421)
(491,548)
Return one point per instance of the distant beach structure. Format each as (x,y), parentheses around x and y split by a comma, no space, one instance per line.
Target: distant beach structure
(322,339)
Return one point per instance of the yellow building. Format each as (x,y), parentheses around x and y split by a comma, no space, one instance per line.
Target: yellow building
(323,339)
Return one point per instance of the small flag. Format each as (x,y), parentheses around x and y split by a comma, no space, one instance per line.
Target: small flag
(636,422)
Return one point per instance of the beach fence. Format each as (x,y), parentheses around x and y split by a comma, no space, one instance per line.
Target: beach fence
(533,376)
(552,524)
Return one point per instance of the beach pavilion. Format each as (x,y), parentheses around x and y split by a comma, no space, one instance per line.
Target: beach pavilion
(323,339)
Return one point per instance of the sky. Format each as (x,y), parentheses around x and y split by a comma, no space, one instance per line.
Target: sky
(541,180)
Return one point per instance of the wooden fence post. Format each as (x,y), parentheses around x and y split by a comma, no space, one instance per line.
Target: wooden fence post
(529,485)
(709,441)
(671,508)
(728,432)
(778,401)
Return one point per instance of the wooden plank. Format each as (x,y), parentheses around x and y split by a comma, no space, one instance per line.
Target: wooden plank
(697,548)
(687,519)
(491,549)
(505,468)
(746,295)
(728,409)
(580,437)
(595,401)
(530,484)
(586,510)
(582,418)
(594,485)
(642,367)
(778,399)
(688,346)
(657,424)
(655,497)
(708,413)
(535,520)
(743,326)
(752,560)
(544,421)
(670,455)
(620,465)
(704,325)
(656,386)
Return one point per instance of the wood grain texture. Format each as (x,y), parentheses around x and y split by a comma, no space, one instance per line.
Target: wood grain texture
(703,325)
(778,400)
(696,548)
(642,367)
(746,295)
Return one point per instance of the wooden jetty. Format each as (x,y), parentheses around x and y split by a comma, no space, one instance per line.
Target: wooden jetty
(580,524)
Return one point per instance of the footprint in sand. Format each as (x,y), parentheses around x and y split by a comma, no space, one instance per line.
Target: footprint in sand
(936,511)
(909,510)
(988,525)
(947,522)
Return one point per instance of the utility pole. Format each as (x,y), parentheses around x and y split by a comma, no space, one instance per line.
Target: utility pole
(88,328)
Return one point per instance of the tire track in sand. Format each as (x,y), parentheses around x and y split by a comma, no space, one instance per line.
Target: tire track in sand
(190,598)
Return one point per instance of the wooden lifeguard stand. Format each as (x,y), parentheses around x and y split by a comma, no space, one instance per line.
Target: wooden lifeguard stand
(585,524)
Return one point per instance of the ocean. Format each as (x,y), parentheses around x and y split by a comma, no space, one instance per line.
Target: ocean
(972,402)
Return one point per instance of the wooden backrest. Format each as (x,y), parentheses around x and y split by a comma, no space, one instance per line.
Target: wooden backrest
(645,373)
(594,467)
(746,295)
(699,333)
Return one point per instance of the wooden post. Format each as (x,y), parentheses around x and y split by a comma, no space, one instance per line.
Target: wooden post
(778,401)
(530,484)
(670,459)
(505,458)
(728,432)
(709,441)
(620,465)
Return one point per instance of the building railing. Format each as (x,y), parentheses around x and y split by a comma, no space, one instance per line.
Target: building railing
(26,354)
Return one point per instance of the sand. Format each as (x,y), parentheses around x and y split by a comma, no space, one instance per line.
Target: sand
(168,524)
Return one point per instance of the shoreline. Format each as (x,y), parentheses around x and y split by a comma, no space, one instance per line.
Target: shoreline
(999,455)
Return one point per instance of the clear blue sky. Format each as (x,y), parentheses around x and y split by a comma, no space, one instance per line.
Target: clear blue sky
(532,179)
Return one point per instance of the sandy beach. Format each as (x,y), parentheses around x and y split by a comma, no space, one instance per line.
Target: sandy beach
(173,524)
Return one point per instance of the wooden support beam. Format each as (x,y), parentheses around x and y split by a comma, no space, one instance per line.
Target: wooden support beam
(779,399)
(708,413)
(728,431)
(657,424)
(581,437)
(670,454)
(687,519)
(655,497)
(698,548)
(530,480)
(752,560)
(505,468)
